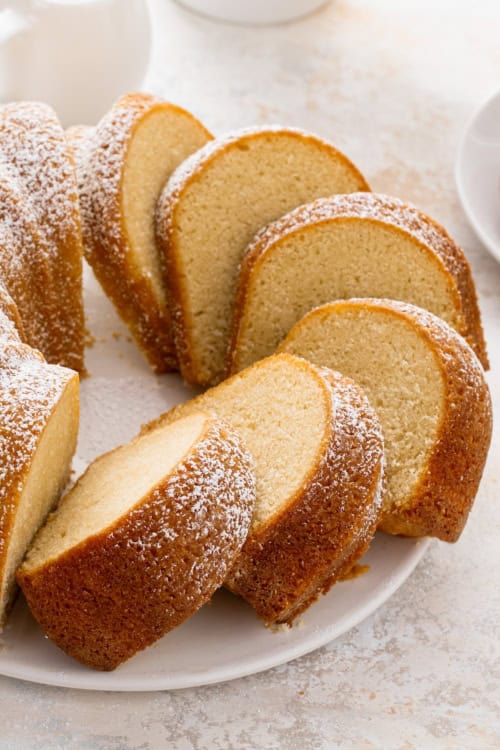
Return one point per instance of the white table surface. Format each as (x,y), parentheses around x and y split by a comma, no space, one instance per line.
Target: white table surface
(393,84)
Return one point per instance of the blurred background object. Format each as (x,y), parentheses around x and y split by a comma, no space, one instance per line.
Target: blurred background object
(77,55)
(254,11)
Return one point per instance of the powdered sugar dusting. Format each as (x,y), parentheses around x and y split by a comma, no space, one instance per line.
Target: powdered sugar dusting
(206,505)
(41,232)
(33,141)
(25,262)
(136,290)
(161,561)
(106,150)
(354,461)
(29,391)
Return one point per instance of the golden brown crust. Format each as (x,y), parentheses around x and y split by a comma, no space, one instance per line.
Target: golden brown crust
(120,590)
(37,156)
(40,308)
(30,389)
(326,525)
(442,501)
(25,271)
(107,246)
(378,209)
(188,173)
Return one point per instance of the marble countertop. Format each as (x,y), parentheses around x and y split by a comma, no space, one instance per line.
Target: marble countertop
(392,84)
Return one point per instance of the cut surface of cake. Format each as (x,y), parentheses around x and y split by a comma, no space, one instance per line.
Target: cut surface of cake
(46,249)
(429,391)
(318,453)
(358,245)
(131,154)
(209,211)
(142,540)
(39,412)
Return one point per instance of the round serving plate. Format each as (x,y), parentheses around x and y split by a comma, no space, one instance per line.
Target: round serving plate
(477,173)
(224,640)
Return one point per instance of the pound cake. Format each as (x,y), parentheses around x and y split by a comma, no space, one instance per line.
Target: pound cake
(26,270)
(359,245)
(142,541)
(39,404)
(429,391)
(79,139)
(36,154)
(209,211)
(131,154)
(38,431)
(318,454)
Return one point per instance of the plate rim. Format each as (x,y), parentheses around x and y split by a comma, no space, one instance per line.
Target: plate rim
(317,638)
(491,247)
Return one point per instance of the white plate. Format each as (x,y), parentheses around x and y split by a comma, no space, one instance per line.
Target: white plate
(477,173)
(224,640)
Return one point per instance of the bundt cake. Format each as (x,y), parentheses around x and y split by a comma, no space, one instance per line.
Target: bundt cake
(358,245)
(429,391)
(209,211)
(142,540)
(318,453)
(133,151)
(272,482)
(38,432)
(41,242)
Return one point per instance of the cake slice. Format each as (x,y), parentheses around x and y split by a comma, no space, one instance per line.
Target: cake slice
(429,391)
(132,153)
(33,145)
(79,139)
(358,245)
(38,431)
(27,271)
(318,453)
(141,541)
(209,211)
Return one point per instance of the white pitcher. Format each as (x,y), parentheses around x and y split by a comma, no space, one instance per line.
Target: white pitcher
(77,55)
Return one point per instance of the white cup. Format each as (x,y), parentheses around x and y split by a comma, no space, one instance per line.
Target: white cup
(76,55)
(262,12)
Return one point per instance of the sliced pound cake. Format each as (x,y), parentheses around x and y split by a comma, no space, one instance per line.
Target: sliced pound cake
(428,388)
(209,211)
(358,245)
(39,411)
(318,454)
(131,154)
(79,139)
(37,159)
(142,541)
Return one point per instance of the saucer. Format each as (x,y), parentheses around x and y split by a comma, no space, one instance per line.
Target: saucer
(477,174)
